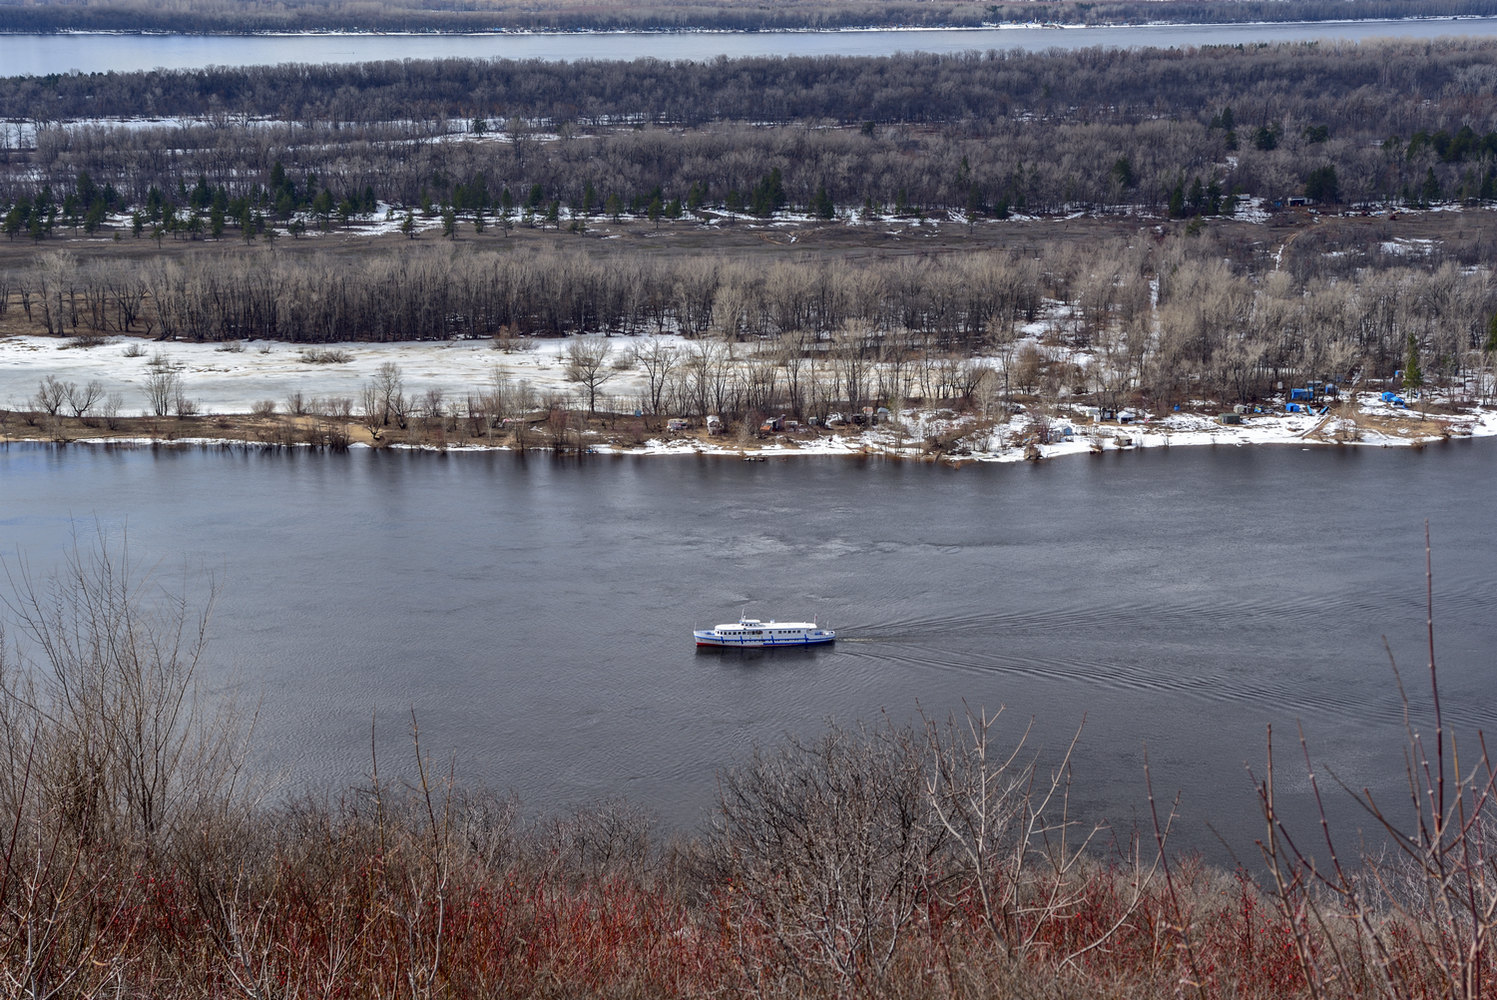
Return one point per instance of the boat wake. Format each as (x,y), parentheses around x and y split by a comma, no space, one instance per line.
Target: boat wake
(1172,651)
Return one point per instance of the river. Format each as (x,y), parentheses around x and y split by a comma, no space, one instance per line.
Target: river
(35,55)
(536,613)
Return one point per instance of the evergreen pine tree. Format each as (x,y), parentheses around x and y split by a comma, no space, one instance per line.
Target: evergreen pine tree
(1413,375)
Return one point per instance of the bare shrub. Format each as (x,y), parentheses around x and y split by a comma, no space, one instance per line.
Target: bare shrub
(263,409)
(605,840)
(325,356)
(1419,917)
(337,408)
(336,412)
(110,409)
(183,405)
(829,845)
(163,386)
(103,705)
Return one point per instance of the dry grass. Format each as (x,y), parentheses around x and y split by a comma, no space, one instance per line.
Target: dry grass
(1404,424)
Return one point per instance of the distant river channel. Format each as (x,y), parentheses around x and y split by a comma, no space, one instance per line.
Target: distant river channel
(36,55)
(536,613)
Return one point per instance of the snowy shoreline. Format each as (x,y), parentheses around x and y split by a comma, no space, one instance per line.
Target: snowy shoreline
(873,444)
(233,381)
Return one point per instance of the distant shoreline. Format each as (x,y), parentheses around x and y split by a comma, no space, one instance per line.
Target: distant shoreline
(402,18)
(561,31)
(1361,425)
(709,30)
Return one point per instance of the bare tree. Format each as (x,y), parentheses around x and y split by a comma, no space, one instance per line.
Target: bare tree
(586,363)
(83,399)
(708,371)
(853,365)
(51,394)
(659,360)
(386,394)
(162,389)
(371,410)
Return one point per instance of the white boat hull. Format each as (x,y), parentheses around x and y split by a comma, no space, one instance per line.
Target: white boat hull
(750,633)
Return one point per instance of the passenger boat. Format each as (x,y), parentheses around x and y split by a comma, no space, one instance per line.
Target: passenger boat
(751,632)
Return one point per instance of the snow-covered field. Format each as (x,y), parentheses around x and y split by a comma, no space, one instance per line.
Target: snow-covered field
(233,381)
(221,381)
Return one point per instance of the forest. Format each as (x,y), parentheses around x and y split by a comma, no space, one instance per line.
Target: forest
(1178,132)
(220,16)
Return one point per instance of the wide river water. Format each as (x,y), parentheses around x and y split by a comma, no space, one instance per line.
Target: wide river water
(35,55)
(536,613)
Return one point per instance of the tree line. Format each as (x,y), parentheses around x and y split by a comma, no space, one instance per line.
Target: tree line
(1413,84)
(1107,324)
(437,292)
(1183,133)
(216,16)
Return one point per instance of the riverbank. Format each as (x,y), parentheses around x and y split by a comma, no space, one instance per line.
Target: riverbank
(279,394)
